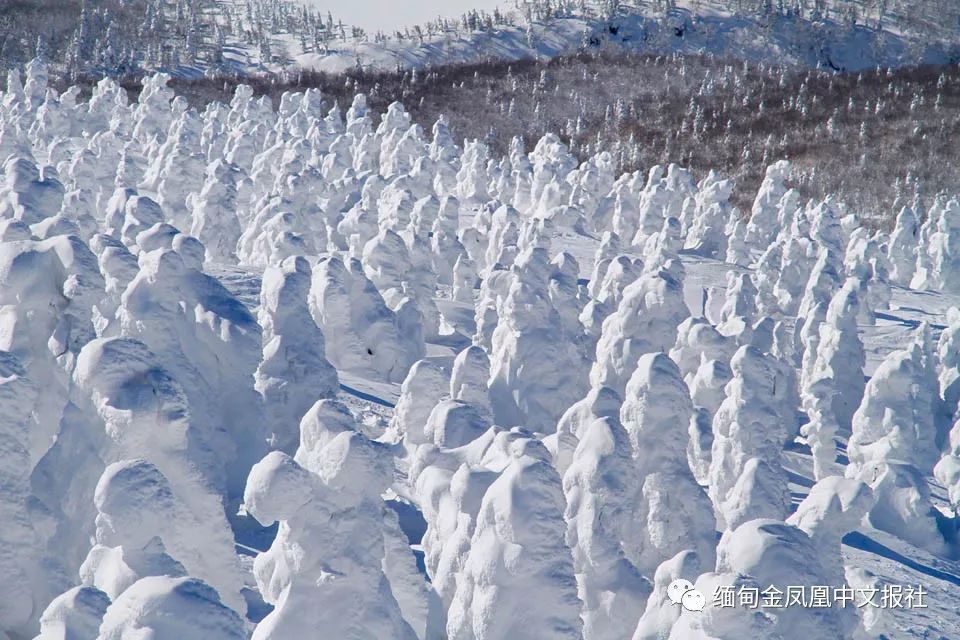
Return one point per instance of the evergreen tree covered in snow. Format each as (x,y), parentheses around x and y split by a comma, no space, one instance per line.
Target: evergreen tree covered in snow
(598,486)
(645,322)
(656,412)
(840,355)
(518,548)
(294,372)
(327,500)
(894,442)
(747,427)
(19,551)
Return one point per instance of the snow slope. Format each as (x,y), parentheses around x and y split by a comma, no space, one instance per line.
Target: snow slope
(829,43)
(384,15)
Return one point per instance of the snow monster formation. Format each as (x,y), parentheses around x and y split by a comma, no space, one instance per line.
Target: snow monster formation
(291,371)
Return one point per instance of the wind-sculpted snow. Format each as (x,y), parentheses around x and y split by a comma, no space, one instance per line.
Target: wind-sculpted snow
(76,613)
(294,371)
(442,394)
(171,607)
(143,528)
(331,493)
(19,551)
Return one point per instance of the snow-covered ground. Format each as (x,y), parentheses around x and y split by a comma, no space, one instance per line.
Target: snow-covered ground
(386,15)
(268,372)
(826,41)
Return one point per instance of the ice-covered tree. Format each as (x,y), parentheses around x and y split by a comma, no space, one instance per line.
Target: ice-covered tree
(214,212)
(739,307)
(455,423)
(518,548)
(365,334)
(763,225)
(20,553)
(294,372)
(821,429)
(943,249)
(470,376)
(738,251)
(894,442)
(47,292)
(208,341)
(176,607)
(600,402)
(75,615)
(656,413)
(948,357)
(902,247)
(825,278)
(895,421)
(530,369)
(661,612)
(143,529)
(768,555)
(328,502)
(834,507)
(645,322)
(599,485)
(840,355)
(706,233)
(426,384)
(747,426)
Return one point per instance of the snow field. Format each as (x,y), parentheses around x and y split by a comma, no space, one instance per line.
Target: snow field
(479,398)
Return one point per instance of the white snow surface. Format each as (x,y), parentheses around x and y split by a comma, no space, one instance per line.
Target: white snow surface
(824,40)
(310,418)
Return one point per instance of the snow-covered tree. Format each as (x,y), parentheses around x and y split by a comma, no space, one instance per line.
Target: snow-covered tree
(706,233)
(214,212)
(895,421)
(656,413)
(20,552)
(294,372)
(165,606)
(77,613)
(645,322)
(370,337)
(747,426)
(469,377)
(530,369)
(840,356)
(762,228)
(834,507)
(328,502)
(599,486)
(894,438)
(518,548)
(902,247)
(768,555)
(426,384)
(661,612)
(144,529)
(208,341)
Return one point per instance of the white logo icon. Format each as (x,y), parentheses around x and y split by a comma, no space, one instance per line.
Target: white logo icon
(682,592)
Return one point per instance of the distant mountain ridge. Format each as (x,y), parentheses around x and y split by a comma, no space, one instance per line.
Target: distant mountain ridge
(265,37)
(777,38)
